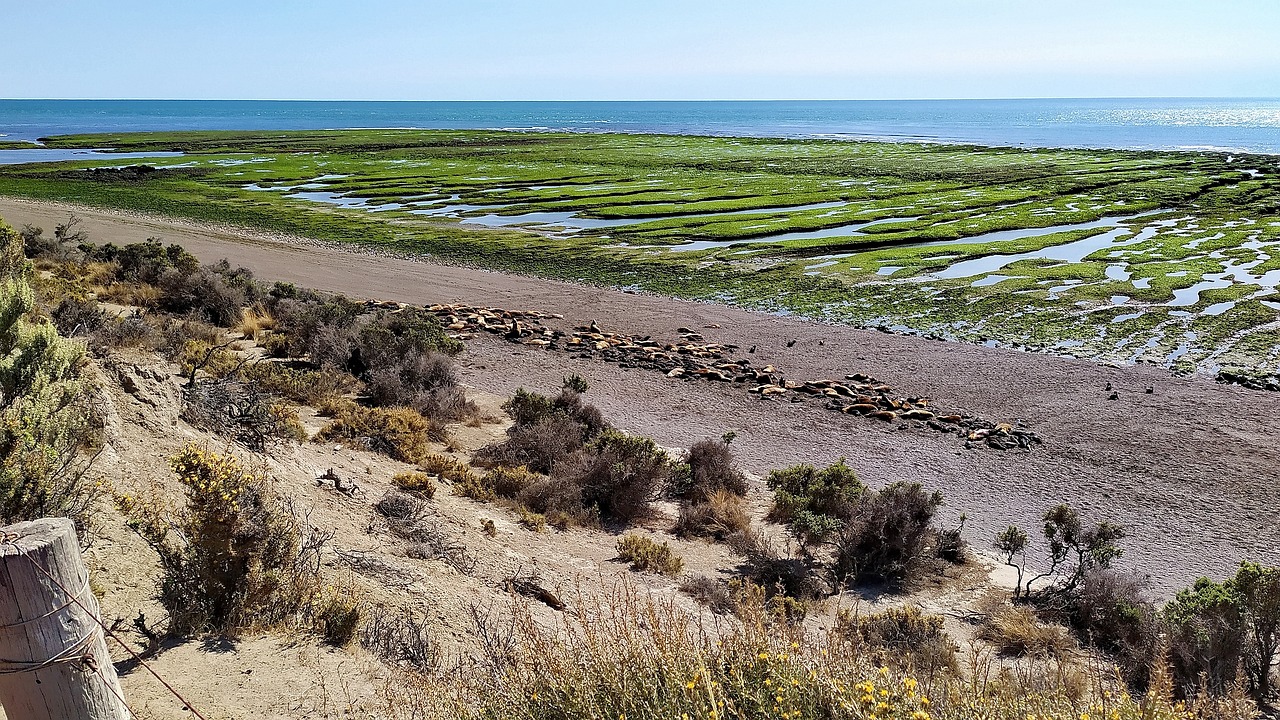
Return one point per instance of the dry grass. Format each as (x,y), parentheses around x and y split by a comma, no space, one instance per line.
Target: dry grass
(620,656)
(253,320)
(1015,631)
(127,293)
(723,515)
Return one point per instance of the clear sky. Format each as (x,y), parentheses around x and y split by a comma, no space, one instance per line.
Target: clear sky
(637,49)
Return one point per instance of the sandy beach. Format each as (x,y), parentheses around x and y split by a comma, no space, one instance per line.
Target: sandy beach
(1189,467)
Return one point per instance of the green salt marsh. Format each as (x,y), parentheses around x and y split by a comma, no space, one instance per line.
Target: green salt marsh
(1117,255)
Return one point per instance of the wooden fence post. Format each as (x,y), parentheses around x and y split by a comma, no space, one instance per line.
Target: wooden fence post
(53,656)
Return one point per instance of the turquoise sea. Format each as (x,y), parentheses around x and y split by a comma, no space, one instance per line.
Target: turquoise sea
(1234,125)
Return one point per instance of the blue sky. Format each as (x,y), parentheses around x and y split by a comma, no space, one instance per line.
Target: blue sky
(641,49)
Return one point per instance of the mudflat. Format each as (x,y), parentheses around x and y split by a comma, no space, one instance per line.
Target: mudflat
(1189,467)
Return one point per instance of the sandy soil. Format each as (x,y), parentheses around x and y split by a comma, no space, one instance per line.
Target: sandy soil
(1190,468)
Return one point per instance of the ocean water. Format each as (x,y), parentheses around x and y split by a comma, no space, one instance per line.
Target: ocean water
(1239,125)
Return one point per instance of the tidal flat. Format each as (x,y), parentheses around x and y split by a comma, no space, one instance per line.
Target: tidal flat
(1161,257)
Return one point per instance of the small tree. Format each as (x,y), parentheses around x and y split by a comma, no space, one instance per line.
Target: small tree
(1012,542)
(1257,588)
(1073,550)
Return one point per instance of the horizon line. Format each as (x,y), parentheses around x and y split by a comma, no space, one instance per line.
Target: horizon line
(649,100)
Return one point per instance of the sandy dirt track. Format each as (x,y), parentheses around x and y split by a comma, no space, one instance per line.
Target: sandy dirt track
(1190,469)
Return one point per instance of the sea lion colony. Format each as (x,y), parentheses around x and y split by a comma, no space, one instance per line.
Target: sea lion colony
(693,358)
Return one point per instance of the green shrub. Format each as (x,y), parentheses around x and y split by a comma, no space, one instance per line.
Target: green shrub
(526,408)
(814,502)
(45,420)
(233,555)
(887,536)
(1217,630)
(645,555)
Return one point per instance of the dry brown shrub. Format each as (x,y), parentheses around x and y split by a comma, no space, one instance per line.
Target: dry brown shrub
(538,446)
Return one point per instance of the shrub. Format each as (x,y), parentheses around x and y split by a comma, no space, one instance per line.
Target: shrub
(399,433)
(309,387)
(45,420)
(1111,612)
(401,507)
(419,484)
(560,499)
(233,556)
(77,317)
(576,383)
(722,515)
(536,522)
(527,408)
(408,332)
(814,502)
(708,592)
(509,482)
(240,412)
(709,467)
(1015,631)
(545,431)
(402,639)
(476,488)
(904,638)
(777,573)
(1217,629)
(620,475)
(146,262)
(335,615)
(202,293)
(128,331)
(446,467)
(1074,550)
(645,555)
(642,658)
(887,536)
(540,446)
(216,361)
